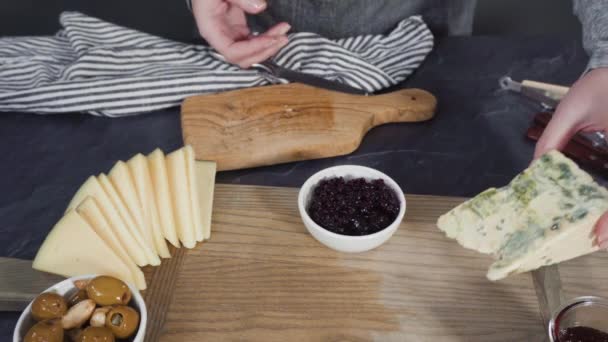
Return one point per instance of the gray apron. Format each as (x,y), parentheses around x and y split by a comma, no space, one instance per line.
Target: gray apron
(346,18)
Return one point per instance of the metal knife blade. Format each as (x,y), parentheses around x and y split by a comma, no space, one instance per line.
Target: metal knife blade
(20,283)
(308,79)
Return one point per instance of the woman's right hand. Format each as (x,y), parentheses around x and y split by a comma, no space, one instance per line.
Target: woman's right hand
(223,24)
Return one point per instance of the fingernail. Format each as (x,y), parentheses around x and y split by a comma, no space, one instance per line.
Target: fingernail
(257,4)
(285,29)
(604,244)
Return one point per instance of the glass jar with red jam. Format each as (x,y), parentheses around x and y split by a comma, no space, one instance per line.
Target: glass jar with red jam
(584,319)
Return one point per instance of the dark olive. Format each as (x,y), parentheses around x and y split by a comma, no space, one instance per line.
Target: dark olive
(48,306)
(77,297)
(73,335)
(122,320)
(96,334)
(45,331)
(105,290)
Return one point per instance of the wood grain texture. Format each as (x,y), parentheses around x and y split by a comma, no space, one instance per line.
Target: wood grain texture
(283,123)
(262,277)
(159,294)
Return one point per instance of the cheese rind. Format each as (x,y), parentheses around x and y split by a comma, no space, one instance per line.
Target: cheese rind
(193,191)
(160,182)
(72,248)
(544,216)
(205,176)
(121,178)
(91,213)
(178,184)
(129,222)
(92,188)
(138,165)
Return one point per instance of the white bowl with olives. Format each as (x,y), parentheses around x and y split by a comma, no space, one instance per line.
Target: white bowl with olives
(84,308)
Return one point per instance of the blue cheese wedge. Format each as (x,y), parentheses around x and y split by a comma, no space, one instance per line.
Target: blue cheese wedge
(546,215)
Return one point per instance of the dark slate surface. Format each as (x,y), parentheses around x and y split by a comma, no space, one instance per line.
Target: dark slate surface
(475,141)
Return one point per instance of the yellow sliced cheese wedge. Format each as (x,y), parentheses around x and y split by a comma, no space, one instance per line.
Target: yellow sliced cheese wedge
(120,176)
(160,183)
(72,248)
(92,188)
(193,187)
(138,165)
(122,210)
(178,184)
(91,213)
(205,177)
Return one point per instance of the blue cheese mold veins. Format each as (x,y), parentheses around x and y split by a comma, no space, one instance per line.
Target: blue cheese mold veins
(545,215)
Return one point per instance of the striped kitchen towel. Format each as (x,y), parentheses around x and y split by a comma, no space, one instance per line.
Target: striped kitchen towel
(104,69)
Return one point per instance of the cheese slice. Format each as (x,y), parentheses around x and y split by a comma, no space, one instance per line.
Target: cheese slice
(138,166)
(122,210)
(160,182)
(120,176)
(205,176)
(193,188)
(545,215)
(92,188)
(178,184)
(72,248)
(91,213)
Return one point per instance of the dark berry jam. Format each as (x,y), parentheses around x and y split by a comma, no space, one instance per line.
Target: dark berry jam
(353,207)
(582,334)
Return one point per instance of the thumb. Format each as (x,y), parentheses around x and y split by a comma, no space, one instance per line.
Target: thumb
(601,231)
(250,6)
(558,133)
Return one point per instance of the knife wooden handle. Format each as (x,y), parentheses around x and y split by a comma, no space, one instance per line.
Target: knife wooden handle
(558,90)
(20,283)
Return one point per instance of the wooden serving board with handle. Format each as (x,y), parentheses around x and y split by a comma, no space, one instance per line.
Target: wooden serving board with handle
(284,123)
(262,277)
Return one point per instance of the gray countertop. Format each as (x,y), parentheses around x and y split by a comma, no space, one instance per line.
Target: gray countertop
(476,140)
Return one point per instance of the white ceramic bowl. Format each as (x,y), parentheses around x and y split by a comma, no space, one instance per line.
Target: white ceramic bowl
(345,243)
(66,288)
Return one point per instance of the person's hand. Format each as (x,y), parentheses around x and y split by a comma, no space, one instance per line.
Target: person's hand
(223,24)
(584,108)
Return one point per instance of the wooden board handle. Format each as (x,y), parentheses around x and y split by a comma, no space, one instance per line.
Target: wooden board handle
(405,105)
(283,123)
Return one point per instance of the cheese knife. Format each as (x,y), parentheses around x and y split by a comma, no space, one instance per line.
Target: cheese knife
(308,79)
(549,96)
(282,73)
(20,283)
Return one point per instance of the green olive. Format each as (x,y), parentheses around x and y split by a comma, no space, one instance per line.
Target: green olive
(105,290)
(122,320)
(78,297)
(96,334)
(45,331)
(48,306)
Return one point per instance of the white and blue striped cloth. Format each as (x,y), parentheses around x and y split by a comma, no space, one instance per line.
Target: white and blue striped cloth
(104,69)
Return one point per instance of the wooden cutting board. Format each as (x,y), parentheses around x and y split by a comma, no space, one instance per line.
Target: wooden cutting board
(262,277)
(284,123)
